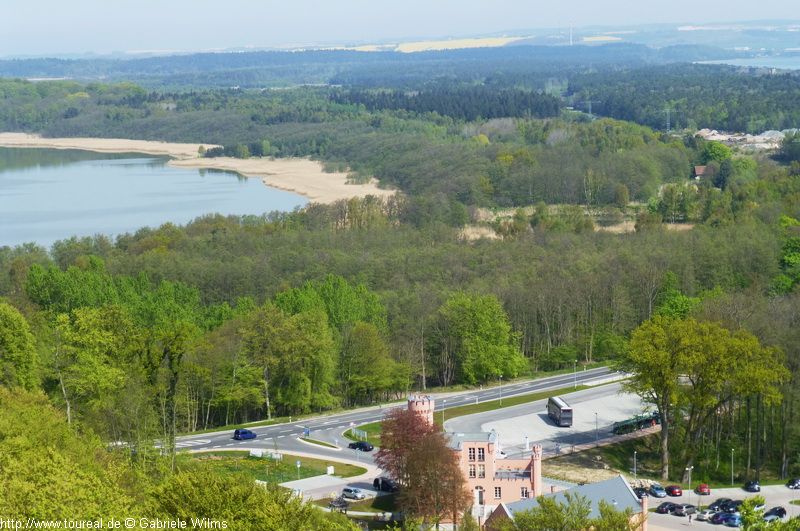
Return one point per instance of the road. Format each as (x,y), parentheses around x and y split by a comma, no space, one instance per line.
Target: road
(530,420)
(329,428)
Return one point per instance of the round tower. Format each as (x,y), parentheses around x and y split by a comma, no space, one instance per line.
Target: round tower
(422,405)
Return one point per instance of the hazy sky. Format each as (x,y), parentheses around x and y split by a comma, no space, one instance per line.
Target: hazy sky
(77,26)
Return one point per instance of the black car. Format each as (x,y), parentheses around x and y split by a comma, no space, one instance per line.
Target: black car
(780,512)
(364,446)
(752,486)
(640,492)
(733,507)
(720,504)
(793,483)
(666,508)
(385,484)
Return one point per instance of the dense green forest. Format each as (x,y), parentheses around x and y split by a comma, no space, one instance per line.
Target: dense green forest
(232,319)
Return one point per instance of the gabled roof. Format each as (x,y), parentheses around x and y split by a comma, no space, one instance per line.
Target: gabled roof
(616,492)
(700,170)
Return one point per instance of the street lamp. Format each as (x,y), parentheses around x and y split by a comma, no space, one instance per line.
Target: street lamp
(635,476)
(501,389)
(575,374)
(731,467)
(596,432)
(444,402)
(689,471)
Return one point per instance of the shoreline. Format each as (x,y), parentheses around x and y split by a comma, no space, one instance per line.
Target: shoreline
(304,177)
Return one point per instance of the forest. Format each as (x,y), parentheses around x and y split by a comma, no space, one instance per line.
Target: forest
(226,320)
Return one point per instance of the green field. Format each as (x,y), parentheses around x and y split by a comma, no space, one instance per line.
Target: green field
(266,469)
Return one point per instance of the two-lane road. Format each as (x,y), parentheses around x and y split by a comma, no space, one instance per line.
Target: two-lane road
(329,428)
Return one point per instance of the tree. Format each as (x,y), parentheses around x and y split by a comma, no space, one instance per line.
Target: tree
(716,151)
(17,349)
(49,471)
(553,515)
(690,370)
(365,367)
(402,431)
(198,495)
(475,340)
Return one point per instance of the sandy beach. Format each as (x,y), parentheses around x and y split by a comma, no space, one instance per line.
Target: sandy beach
(302,176)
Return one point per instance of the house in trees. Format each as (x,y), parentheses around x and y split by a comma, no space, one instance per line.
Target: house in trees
(616,492)
(490,476)
(700,172)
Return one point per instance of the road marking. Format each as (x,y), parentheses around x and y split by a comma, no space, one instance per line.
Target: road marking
(194,442)
(281,436)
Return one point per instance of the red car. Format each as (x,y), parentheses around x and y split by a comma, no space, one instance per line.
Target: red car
(703,489)
(674,490)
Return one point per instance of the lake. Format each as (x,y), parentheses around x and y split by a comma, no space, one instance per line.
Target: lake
(789,62)
(48,195)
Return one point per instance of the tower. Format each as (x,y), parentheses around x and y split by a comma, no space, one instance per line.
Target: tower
(536,469)
(422,405)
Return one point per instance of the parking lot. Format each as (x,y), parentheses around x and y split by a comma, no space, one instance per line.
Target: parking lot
(775,495)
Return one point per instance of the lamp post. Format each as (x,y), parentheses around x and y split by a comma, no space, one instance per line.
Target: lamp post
(731,467)
(501,389)
(689,471)
(635,476)
(575,374)
(596,431)
(444,403)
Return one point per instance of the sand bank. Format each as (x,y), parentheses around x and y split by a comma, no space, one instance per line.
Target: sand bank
(301,176)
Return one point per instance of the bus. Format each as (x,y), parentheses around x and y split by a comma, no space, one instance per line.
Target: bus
(559,411)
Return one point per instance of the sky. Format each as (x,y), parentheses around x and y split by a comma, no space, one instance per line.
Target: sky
(62,27)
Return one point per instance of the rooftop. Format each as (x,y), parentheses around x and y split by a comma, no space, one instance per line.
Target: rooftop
(615,491)
(458,439)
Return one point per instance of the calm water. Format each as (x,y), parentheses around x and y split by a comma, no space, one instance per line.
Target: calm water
(783,63)
(48,195)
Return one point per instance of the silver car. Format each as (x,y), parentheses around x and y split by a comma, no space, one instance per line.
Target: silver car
(353,493)
(705,514)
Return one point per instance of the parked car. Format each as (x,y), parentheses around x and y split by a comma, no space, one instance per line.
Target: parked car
(733,506)
(759,507)
(770,518)
(703,489)
(752,486)
(242,434)
(364,446)
(353,493)
(793,483)
(657,491)
(640,492)
(733,520)
(706,514)
(780,512)
(385,484)
(674,490)
(665,508)
(684,509)
(719,518)
(720,504)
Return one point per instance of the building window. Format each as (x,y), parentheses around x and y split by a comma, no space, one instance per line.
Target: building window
(498,493)
(481,471)
(472,471)
(481,454)
(472,454)
(523,493)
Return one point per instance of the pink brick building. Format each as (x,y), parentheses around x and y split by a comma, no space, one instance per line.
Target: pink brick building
(490,477)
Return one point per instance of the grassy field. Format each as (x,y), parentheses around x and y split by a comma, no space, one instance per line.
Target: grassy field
(608,461)
(319,443)
(373,429)
(265,469)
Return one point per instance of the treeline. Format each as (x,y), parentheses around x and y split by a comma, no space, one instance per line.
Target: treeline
(461,103)
(697,96)
(444,164)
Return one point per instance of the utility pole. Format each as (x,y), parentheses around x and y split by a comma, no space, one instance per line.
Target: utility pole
(731,467)
(635,476)
(501,389)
